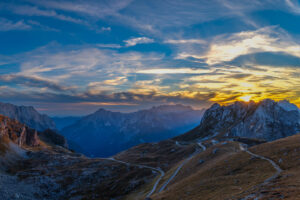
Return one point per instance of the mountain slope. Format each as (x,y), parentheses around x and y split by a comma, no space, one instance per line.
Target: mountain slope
(27,115)
(62,122)
(105,133)
(268,120)
(224,171)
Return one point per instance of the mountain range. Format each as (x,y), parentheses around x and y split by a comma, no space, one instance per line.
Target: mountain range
(105,133)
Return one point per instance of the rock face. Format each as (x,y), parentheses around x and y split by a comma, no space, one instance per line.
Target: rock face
(268,120)
(18,133)
(22,135)
(105,133)
(27,115)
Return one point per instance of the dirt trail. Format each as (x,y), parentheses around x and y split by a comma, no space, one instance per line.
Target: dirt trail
(277,167)
(162,173)
(180,166)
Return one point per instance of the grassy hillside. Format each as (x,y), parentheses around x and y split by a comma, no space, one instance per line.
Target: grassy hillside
(223,171)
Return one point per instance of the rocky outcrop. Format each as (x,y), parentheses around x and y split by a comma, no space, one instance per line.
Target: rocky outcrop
(18,133)
(268,120)
(22,138)
(27,115)
(52,137)
(32,138)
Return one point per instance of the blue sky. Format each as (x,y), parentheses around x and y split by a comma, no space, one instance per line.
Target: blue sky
(72,57)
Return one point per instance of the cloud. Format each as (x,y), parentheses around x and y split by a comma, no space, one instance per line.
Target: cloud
(110,46)
(239,76)
(98,9)
(41,26)
(185,41)
(275,59)
(81,65)
(293,6)
(35,11)
(174,71)
(105,29)
(8,25)
(35,82)
(139,40)
(268,39)
(117,98)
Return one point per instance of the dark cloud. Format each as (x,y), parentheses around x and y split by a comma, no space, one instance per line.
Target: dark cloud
(276,59)
(32,82)
(238,76)
(198,98)
(262,78)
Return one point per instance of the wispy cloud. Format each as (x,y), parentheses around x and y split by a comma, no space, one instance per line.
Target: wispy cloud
(98,9)
(174,71)
(293,6)
(110,46)
(36,11)
(35,82)
(139,40)
(8,25)
(268,39)
(185,41)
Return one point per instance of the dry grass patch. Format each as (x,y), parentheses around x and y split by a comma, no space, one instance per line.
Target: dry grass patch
(223,175)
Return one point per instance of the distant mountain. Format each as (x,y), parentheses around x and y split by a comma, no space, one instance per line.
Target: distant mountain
(27,115)
(105,133)
(268,120)
(62,122)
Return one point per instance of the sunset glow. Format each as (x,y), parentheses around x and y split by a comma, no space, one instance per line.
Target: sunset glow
(245,98)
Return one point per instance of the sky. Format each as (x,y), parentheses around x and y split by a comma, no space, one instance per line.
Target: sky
(73,57)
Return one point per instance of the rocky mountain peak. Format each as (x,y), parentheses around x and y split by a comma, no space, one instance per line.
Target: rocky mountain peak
(286,105)
(268,120)
(27,115)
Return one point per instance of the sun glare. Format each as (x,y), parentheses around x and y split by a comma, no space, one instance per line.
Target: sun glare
(245,98)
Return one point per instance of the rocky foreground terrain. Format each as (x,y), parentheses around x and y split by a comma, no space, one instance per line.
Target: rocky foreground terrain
(213,163)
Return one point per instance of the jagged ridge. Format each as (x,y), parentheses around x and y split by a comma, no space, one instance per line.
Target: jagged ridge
(27,115)
(267,120)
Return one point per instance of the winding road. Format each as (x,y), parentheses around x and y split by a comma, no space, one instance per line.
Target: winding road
(162,173)
(278,169)
(180,166)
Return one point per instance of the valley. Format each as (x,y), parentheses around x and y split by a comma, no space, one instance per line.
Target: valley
(217,166)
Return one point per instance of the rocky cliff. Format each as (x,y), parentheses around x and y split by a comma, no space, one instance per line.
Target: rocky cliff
(18,133)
